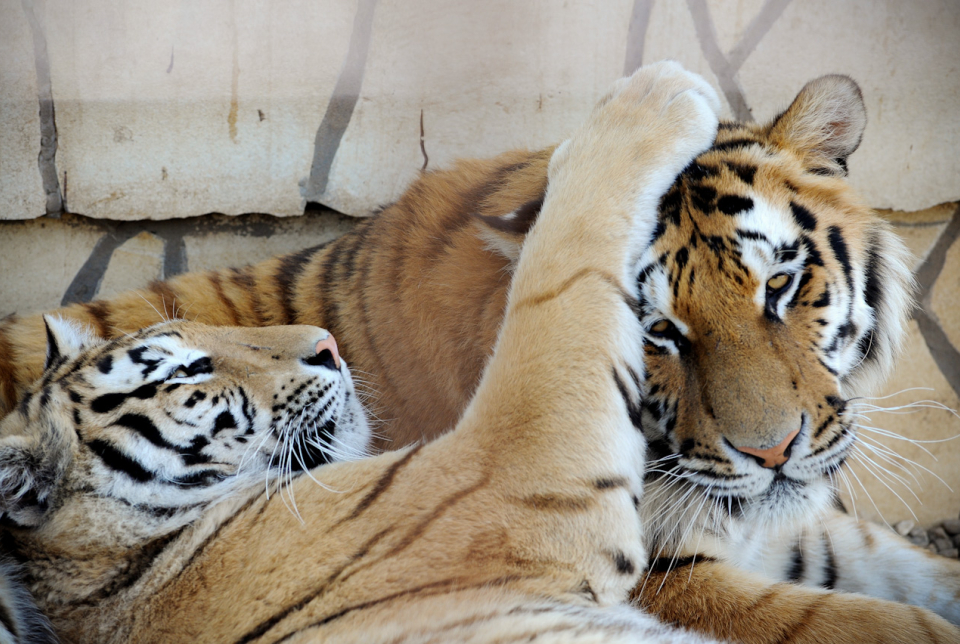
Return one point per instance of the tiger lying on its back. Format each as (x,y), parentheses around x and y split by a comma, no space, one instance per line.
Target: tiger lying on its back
(769,297)
(132,476)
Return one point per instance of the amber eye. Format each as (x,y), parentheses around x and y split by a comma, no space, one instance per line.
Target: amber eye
(660,327)
(778,282)
(181,372)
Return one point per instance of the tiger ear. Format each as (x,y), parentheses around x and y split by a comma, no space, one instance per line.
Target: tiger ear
(65,339)
(825,122)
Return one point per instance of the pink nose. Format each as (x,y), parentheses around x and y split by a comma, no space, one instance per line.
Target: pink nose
(775,455)
(329,344)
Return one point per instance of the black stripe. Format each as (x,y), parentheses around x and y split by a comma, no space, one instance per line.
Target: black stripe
(145,427)
(524,218)
(382,484)
(623,563)
(108,402)
(703,197)
(839,247)
(796,570)
(118,461)
(734,204)
(733,143)
(745,171)
(217,282)
(830,565)
(225,420)
(667,564)
(100,312)
(290,268)
(804,218)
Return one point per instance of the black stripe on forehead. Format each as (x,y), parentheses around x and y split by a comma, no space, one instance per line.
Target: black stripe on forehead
(734,204)
(745,171)
(804,218)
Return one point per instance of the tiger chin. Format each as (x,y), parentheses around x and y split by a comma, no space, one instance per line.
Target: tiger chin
(769,297)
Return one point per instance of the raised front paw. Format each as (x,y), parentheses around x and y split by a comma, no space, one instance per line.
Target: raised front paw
(648,126)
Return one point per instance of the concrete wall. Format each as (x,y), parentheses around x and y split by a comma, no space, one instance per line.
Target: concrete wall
(173,109)
(134,120)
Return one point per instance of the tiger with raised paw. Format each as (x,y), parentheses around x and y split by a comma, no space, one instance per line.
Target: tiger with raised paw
(137,472)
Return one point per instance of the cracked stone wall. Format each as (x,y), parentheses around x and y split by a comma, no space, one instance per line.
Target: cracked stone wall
(124,124)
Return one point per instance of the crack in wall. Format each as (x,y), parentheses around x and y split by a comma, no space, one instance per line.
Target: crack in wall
(726,66)
(944,353)
(47,159)
(637,35)
(339,112)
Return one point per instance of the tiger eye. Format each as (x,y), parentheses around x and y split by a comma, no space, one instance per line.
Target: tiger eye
(660,326)
(777,282)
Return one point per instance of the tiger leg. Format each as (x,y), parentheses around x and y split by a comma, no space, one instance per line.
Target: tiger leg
(532,498)
(726,602)
(842,553)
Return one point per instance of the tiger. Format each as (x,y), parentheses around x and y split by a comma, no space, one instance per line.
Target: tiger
(196,483)
(760,243)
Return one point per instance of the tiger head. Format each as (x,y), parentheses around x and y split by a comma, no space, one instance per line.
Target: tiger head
(769,296)
(154,427)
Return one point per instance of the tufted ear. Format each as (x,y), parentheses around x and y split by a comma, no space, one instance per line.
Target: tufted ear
(30,470)
(65,339)
(824,123)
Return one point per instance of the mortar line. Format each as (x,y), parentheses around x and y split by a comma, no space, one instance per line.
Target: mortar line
(47,158)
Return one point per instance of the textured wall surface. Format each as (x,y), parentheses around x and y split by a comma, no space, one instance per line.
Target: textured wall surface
(174,109)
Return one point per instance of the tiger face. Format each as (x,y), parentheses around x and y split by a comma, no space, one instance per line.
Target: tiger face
(175,417)
(769,296)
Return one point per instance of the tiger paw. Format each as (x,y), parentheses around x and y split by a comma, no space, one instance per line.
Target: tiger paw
(641,134)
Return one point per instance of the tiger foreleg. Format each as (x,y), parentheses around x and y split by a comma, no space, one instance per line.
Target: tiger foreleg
(718,599)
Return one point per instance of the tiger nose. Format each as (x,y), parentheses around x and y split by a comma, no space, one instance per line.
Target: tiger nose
(773,456)
(330,345)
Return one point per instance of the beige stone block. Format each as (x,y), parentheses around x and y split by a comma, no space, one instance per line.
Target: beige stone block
(922,494)
(134,264)
(39,259)
(488,76)
(219,249)
(21,189)
(903,55)
(945,299)
(177,109)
